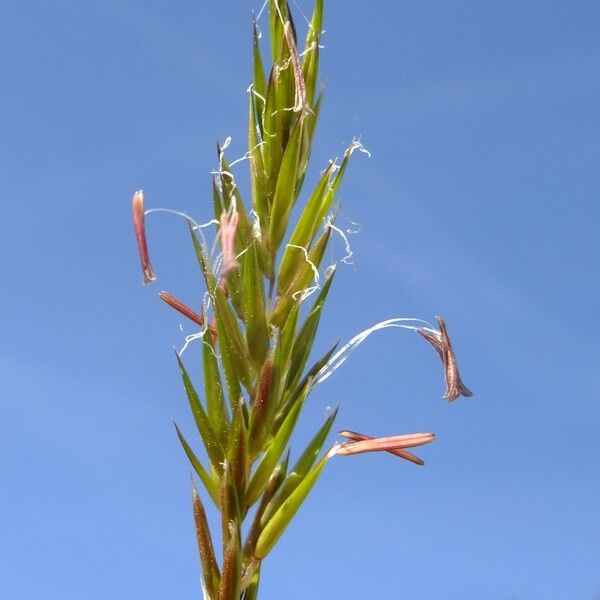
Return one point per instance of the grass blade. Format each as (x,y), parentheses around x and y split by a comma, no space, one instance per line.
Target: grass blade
(284,514)
(301,282)
(271,457)
(215,399)
(307,226)
(305,339)
(260,199)
(203,261)
(233,348)
(301,468)
(285,190)
(260,82)
(276,479)
(310,68)
(208,435)
(257,332)
(212,486)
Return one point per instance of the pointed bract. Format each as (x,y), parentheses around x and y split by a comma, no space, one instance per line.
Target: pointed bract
(205,546)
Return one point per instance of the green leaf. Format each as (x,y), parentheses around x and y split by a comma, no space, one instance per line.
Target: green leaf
(271,387)
(257,332)
(317,207)
(272,149)
(311,123)
(303,233)
(232,381)
(301,468)
(211,485)
(208,435)
(264,258)
(286,88)
(260,82)
(302,280)
(316,24)
(280,100)
(284,514)
(310,67)
(260,201)
(285,96)
(329,197)
(306,337)
(285,191)
(278,14)
(274,451)
(231,192)
(312,450)
(232,345)
(210,568)
(304,155)
(205,266)
(275,480)
(215,399)
(305,275)
(283,355)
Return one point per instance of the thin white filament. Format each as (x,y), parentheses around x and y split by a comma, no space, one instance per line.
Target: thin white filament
(189,339)
(195,225)
(349,251)
(302,13)
(357,145)
(251,90)
(260,12)
(246,156)
(340,357)
(224,147)
(305,293)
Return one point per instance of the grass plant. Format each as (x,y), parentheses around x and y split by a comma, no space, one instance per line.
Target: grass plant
(266,289)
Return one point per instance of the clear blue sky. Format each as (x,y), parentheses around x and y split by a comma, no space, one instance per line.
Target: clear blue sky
(480,203)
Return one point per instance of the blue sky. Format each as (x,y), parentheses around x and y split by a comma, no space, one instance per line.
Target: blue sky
(480,203)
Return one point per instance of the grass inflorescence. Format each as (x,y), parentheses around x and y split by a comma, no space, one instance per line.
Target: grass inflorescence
(255,332)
